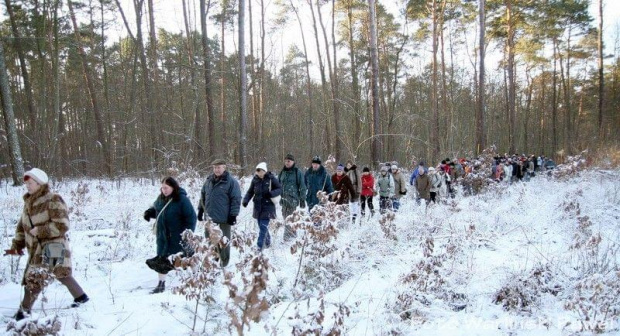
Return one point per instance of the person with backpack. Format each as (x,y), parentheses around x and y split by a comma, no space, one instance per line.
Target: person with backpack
(423,185)
(351,171)
(42,230)
(173,214)
(263,188)
(368,191)
(220,199)
(293,192)
(317,180)
(385,188)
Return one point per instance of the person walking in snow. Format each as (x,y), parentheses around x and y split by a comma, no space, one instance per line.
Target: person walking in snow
(173,213)
(368,191)
(343,188)
(436,183)
(263,188)
(220,199)
(423,185)
(293,192)
(400,187)
(385,188)
(317,180)
(351,171)
(43,224)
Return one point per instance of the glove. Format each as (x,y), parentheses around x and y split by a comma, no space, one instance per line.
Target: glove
(232,220)
(201,213)
(403,192)
(150,213)
(245,204)
(302,203)
(13,252)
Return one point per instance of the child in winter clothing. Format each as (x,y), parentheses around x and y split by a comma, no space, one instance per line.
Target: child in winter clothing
(368,184)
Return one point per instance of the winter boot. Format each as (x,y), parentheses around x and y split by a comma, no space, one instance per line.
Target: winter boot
(20,315)
(80,300)
(161,286)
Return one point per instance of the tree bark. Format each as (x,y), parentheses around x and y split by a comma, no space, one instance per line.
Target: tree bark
(204,11)
(601,77)
(242,89)
(480,129)
(510,68)
(434,134)
(15,153)
(101,137)
(374,59)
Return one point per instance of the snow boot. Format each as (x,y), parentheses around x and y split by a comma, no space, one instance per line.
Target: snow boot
(20,315)
(161,286)
(78,301)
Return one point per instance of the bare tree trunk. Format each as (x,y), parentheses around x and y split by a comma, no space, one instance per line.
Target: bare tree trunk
(223,76)
(15,152)
(261,94)
(510,55)
(155,111)
(601,77)
(321,67)
(333,81)
(434,134)
(242,89)
(93,95)
(22,65)
(480,133)
(355,89)
(204,11)
(554,107)
(374,59)
(194,143)
(55,158)
(308,80)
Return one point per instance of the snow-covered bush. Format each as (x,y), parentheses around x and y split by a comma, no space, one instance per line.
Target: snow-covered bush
(388,226)
(313,323)
(572,166)
(49,325)
(522,291)
(79,199)
(596,300)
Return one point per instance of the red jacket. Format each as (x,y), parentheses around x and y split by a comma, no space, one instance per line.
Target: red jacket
(368,184)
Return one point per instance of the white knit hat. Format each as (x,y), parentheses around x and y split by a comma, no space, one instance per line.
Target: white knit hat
(262,165)
(38,175)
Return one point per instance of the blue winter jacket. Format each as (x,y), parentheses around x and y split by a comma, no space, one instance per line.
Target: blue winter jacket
(220,197)
(317,181)
(262,190)
(178,216)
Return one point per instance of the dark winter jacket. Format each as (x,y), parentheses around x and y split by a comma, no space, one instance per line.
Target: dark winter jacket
(415,174)
(345,187)
(317,181)
(356,181)
(261,191)
(423,185)
(175,218)
(293,187)
(220,197)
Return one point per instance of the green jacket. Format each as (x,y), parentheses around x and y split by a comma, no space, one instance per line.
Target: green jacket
(293,187)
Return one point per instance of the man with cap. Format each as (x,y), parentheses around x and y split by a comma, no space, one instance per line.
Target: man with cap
(293,192)
(316,179)
(400,187)
(220,198)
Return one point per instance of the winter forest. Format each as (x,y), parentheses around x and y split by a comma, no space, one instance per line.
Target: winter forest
(108,97)
(98,88)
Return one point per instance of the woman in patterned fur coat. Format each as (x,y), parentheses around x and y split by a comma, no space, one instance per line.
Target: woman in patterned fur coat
(44,220)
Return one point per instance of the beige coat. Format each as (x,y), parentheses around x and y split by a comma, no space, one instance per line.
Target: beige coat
(47,212)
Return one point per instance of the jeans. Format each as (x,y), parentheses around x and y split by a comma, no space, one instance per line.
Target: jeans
(395,204)
(264,238)
(385,204)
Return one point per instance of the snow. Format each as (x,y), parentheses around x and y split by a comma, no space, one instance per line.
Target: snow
(498,237)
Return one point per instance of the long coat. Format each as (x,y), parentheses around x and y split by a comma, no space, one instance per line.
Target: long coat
(423,185)
(47,212)
(293,187)
(317,180)
(261,191)
(220,197)
(400,184)
(345,188)
(176,217)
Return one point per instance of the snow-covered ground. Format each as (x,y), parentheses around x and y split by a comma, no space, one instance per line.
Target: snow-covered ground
(431,271)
